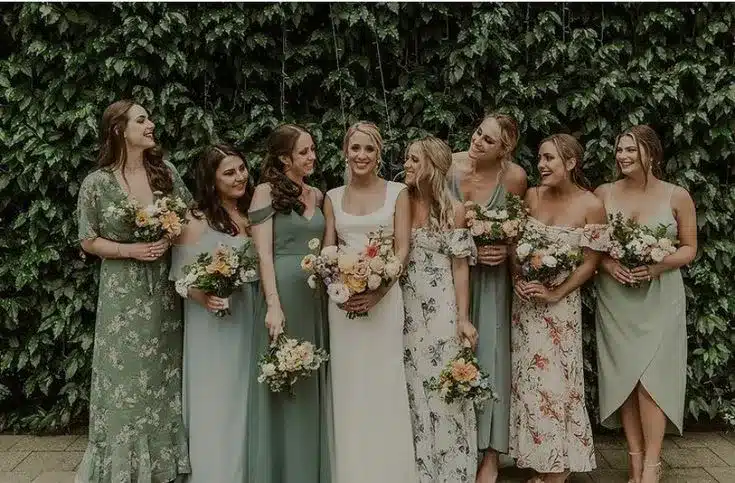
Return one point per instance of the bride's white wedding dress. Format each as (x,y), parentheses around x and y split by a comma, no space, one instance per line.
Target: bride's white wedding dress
(372,422)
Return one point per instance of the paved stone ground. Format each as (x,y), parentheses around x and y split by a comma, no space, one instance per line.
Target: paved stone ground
(693,458)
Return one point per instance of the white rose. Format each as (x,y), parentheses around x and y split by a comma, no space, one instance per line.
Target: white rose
(523,250)
(249,273)
(374,281)
(666,244)
(268,370)
(477,229)
(330,253)
(338,292)
(182,288)
(502,214)
(658,254)
(549,261)
(311,281)
(314,244)
(648,240)
(493,214)
(392,269)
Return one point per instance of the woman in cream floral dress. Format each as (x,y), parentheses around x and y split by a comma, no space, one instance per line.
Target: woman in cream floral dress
(549,427)
(436,299)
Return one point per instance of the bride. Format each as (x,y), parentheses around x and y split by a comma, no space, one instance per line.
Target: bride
(372,425)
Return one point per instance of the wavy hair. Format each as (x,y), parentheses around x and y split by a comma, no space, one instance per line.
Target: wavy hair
(285,192)
(438,155)
(369,129)
(113,152)
(208,202)
(508,134)
(569,148)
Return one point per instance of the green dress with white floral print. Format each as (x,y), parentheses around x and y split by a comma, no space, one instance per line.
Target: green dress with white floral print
(136,430)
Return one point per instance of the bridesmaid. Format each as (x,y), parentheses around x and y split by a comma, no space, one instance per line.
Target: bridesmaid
(217,350)
(641,331)
(136,431)
(550,429)
(436,298)
(485,174)
(288,438)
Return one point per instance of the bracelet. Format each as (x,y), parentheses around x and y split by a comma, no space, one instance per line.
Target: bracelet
(119,250)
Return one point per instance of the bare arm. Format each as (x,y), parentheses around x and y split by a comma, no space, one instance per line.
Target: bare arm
(263,239)
(461,271)
(516,181)
(330,231)
(402,227)
(686,219)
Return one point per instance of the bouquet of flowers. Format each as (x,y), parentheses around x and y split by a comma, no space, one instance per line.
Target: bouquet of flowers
(288,360)
(219,273)
(346,273)
(493,227)
(462,378)
(546,262)
(635,245)
(165,217)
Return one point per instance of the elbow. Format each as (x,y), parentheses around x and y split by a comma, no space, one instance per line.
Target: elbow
(87,246)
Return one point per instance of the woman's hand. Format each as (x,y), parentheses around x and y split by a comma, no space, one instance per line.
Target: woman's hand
(492,254)
(363,302)
(274,321)
(520,287)
(646,273)
(145,252)
(541,293)
(466,332)
(214,303)
(617,271)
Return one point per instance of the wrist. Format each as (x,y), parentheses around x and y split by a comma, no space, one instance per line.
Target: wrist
(121,251)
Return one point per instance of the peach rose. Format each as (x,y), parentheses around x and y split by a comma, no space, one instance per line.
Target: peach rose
(356,285)
(463,371)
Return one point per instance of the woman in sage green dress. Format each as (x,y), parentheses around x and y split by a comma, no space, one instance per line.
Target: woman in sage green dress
(136,431)
(288,438)
(641,313)
(217,350)
(484,174)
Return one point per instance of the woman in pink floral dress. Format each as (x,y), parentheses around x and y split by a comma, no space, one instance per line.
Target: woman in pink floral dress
(549,427)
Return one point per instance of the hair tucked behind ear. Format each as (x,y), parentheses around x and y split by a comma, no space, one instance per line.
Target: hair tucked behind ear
(645,137)
(285,192)
(113,152)
(569,148)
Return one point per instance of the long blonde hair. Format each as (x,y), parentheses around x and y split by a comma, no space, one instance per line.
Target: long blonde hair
(369,129)
(438,155)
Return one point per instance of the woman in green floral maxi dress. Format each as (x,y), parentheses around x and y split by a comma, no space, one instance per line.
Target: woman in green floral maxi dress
(136,429)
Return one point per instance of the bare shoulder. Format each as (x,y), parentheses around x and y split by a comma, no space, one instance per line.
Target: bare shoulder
(602,190)
(460,163)
(317,192)
(263,189)
(261,197)
(195,226)
(594,208)
(679,195)
(516,179)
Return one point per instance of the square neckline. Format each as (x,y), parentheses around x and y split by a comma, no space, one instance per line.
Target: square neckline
(385,202)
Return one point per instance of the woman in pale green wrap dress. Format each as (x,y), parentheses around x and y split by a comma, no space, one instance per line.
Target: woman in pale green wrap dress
(641,312)
(218,352)
(485,174)
(136,431)
(289,438)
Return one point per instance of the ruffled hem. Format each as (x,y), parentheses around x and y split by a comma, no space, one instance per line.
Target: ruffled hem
(147,459)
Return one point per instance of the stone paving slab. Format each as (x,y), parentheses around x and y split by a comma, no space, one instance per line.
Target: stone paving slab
(692,458)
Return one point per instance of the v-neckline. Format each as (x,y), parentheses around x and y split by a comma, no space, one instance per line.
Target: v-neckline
(126,194)
(313,213)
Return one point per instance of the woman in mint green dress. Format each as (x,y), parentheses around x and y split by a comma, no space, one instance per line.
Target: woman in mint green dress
(218,351)
(484,174)
(288,438)
(641,329)
(136,431)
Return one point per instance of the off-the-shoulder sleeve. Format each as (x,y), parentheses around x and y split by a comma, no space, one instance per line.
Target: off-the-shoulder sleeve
(88,209)
(261,215)
(180,188)
(461,245)
(596,237)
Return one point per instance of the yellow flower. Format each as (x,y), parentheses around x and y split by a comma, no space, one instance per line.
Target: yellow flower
(142,218)
(171,223)
(346,262)
(356,285)
(219,266)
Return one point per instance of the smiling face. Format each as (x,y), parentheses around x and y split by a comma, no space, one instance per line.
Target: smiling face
(631,161)
(138,132)
(486,142)
(552,168)
(415,166)
(302,160)
(362,154)
(231,178)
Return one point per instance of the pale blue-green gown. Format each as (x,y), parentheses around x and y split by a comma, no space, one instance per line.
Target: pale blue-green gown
(218,356)
(641,336)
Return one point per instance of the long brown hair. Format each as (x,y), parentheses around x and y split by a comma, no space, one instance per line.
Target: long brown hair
(208,203)
(284,191)
(569,148)
(113,152)
(646,139)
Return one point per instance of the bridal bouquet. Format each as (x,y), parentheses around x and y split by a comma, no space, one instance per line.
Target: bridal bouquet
(346,273)
(546,262)
(288,360)
(165,217)
(493,226)
(635,245)
(220,272)
(462,378)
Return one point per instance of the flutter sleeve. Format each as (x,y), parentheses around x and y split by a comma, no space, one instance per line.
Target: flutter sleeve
(595,237)
(461,245)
